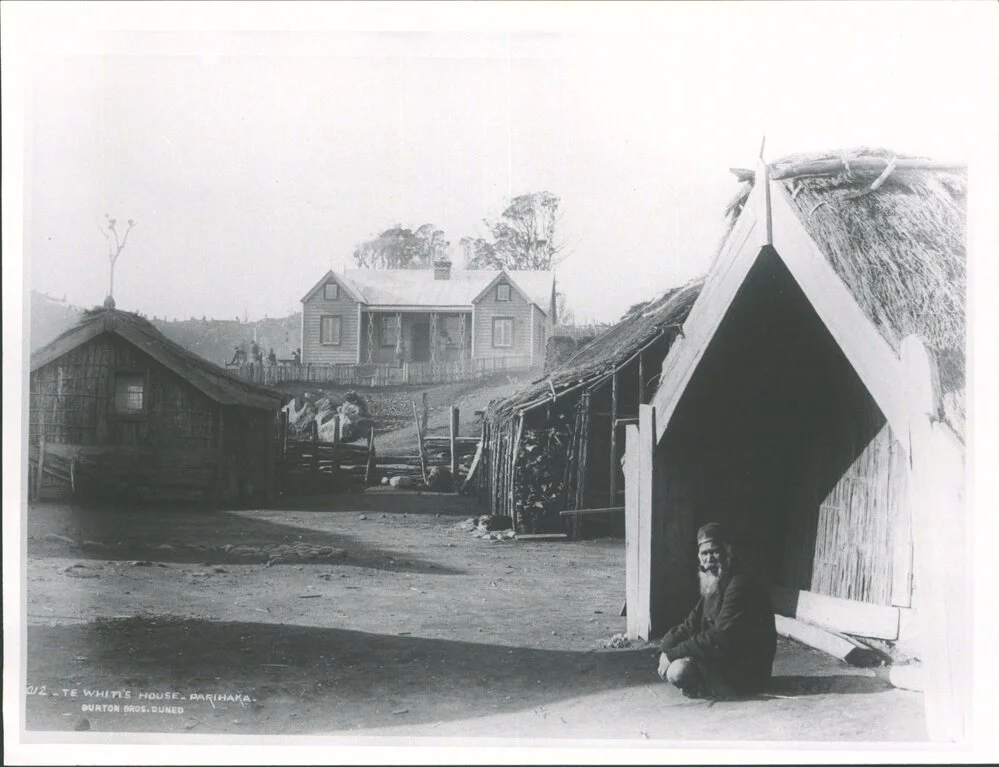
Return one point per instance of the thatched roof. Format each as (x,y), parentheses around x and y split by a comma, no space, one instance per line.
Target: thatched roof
(205,376)
(602,356)
(897,241)
(893,228)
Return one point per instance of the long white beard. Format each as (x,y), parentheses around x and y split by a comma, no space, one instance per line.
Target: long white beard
(711,582)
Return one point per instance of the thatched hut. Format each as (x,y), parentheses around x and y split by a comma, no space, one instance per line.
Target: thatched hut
(120,412)
(556,445)
(816,405)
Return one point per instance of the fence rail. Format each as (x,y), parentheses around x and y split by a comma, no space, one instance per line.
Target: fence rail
(420,373)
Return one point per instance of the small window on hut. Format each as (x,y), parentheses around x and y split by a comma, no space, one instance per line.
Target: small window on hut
(331,291)
(502,292)
(129,393)
(329,330)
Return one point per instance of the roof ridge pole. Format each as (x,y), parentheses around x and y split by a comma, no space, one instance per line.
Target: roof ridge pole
(765,214)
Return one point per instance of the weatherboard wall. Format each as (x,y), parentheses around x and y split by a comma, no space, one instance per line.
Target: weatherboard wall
(344,307)
(488,308)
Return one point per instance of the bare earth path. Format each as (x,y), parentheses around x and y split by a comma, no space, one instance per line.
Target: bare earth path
(374,614)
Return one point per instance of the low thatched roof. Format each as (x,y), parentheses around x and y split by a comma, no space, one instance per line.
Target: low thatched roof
(205,376)
(602,356)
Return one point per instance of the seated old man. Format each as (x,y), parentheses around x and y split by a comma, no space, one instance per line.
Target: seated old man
(726,646)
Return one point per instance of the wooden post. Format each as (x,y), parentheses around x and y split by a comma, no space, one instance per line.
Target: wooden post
(284,432)
(454,445)
(419,440)
(940,544)
(641,377)
(269,450)
(514,450)
(614,464)
(315,450)
(369,467)
(423,422)
(640,530)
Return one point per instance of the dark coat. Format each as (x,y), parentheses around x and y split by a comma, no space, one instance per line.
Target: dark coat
(733,631)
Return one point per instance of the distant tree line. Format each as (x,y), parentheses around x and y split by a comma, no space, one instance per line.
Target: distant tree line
(524,237)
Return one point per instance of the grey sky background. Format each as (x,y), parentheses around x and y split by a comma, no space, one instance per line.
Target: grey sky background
(255,161)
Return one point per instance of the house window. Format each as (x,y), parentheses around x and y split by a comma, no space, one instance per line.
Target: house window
(390,331)
(502,292)
(329,330)
(503,331)
(331,291)
(129,393)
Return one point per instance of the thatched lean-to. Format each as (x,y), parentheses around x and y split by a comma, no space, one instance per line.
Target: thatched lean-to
(814,404)
(120,412)
(556,444)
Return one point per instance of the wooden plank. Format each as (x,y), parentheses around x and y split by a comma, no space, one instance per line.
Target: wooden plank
(871,356)
(631,533)
(940,537)
(609,510)
(846,616)
(641,608)
(542,537)
(837,645)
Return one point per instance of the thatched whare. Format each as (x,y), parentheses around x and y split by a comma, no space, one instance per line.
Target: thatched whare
(815,404)
(120,412)
(556,445)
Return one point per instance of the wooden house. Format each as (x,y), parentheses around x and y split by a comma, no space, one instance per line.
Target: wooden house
(556,445)
(438,315)
(815,404)
(119,412)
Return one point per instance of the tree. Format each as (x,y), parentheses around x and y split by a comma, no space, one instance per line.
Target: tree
(400,248)
(525,237)
(563,314)
(116,247)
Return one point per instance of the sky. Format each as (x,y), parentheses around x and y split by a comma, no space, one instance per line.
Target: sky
(254,161)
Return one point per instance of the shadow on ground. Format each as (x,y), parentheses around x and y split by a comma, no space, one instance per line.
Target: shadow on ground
(204,537)
(345,679)
(839,684)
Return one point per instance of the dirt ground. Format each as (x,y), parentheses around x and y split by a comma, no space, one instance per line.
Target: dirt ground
(376,614)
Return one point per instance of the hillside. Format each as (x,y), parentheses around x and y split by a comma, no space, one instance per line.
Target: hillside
(215,340)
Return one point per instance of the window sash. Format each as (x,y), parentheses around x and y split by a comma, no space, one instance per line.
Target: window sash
(502,332)
(130,393)
(329,330)
(331,291)
(503,292)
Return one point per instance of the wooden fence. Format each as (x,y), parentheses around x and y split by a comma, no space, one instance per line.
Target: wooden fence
(411,373)
(311,466)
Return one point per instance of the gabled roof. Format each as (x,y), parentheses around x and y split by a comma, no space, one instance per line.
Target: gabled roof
(606,353)
(417,287)
(205,376)
(877,243)
(332,276)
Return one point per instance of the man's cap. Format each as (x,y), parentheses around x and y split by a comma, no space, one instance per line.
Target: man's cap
(713,531)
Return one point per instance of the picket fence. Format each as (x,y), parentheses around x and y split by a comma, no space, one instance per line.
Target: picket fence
(408,373)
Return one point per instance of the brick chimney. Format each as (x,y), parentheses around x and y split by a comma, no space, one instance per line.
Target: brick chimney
(442,270)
